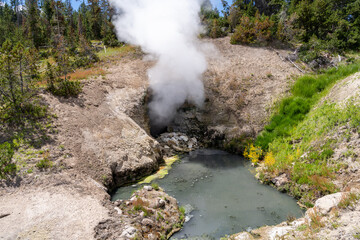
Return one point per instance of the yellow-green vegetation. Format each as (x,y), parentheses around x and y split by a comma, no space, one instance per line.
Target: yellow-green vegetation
(302,227)
(155,186)
(112,53)
(7,167)
(141,208)
(163,171)
(300,138)
(357,234)
(159,216)
(306,92)
(181,218)
(305,155)
(253,153)
(182,213)
(44,164)
(348,200)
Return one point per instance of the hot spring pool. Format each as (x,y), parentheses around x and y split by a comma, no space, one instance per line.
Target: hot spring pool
(223,193)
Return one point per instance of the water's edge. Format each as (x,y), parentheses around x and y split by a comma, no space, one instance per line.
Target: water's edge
(197,182)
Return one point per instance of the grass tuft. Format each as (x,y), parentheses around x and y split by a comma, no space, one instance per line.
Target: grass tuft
(348,200)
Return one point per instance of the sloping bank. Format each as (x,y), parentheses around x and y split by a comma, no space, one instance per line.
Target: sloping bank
(310,149)
(99,144)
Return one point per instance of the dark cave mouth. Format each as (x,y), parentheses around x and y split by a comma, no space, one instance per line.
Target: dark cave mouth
(156,130)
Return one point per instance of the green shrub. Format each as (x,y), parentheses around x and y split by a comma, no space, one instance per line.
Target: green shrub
(44,164)
(67,88)
(84,60)
(59,86)
(252,30)
(155,186)
(215,29)
(111,40)
(7,167)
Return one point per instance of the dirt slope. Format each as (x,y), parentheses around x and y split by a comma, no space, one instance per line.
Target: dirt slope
(97,129)
(242,84)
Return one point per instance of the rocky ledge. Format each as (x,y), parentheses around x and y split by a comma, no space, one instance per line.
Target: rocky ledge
(149,214)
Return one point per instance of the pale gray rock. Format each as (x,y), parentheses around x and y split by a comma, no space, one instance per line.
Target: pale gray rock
(280,180)
(328,202)
(147,222)
(148,188)
(129,233)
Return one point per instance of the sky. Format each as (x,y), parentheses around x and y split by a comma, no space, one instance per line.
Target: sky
(76,3)
(215,3)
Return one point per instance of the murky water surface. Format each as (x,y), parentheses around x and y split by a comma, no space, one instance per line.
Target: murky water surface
(222,195)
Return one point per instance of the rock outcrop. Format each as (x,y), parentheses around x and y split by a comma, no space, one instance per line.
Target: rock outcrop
(149,214)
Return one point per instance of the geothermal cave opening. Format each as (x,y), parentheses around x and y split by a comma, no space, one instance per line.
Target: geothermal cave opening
(156,127)
(156,130)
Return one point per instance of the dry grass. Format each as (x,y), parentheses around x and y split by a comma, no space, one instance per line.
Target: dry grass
(80,74)
(322,183)
(316,222)
(239,101)
(234,84)
(348,200)
(140,202)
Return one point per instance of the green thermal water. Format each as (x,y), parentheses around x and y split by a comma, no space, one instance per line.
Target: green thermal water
(223,195)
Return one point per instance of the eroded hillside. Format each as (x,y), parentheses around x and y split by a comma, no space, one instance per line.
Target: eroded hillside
(102,141)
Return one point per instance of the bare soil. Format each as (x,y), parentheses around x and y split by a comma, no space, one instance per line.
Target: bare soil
(242,85)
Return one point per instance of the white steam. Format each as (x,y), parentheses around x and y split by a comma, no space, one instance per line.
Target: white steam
(168,30)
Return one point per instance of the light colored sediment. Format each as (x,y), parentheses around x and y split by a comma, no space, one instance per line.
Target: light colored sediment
(54,207)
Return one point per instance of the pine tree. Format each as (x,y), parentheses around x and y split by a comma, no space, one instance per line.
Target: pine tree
(95,19)
(18,74)
(33,16)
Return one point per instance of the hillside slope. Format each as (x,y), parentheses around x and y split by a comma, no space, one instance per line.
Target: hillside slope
(335,120)
(101,141)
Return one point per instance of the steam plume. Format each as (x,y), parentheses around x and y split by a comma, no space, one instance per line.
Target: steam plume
(167,30)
